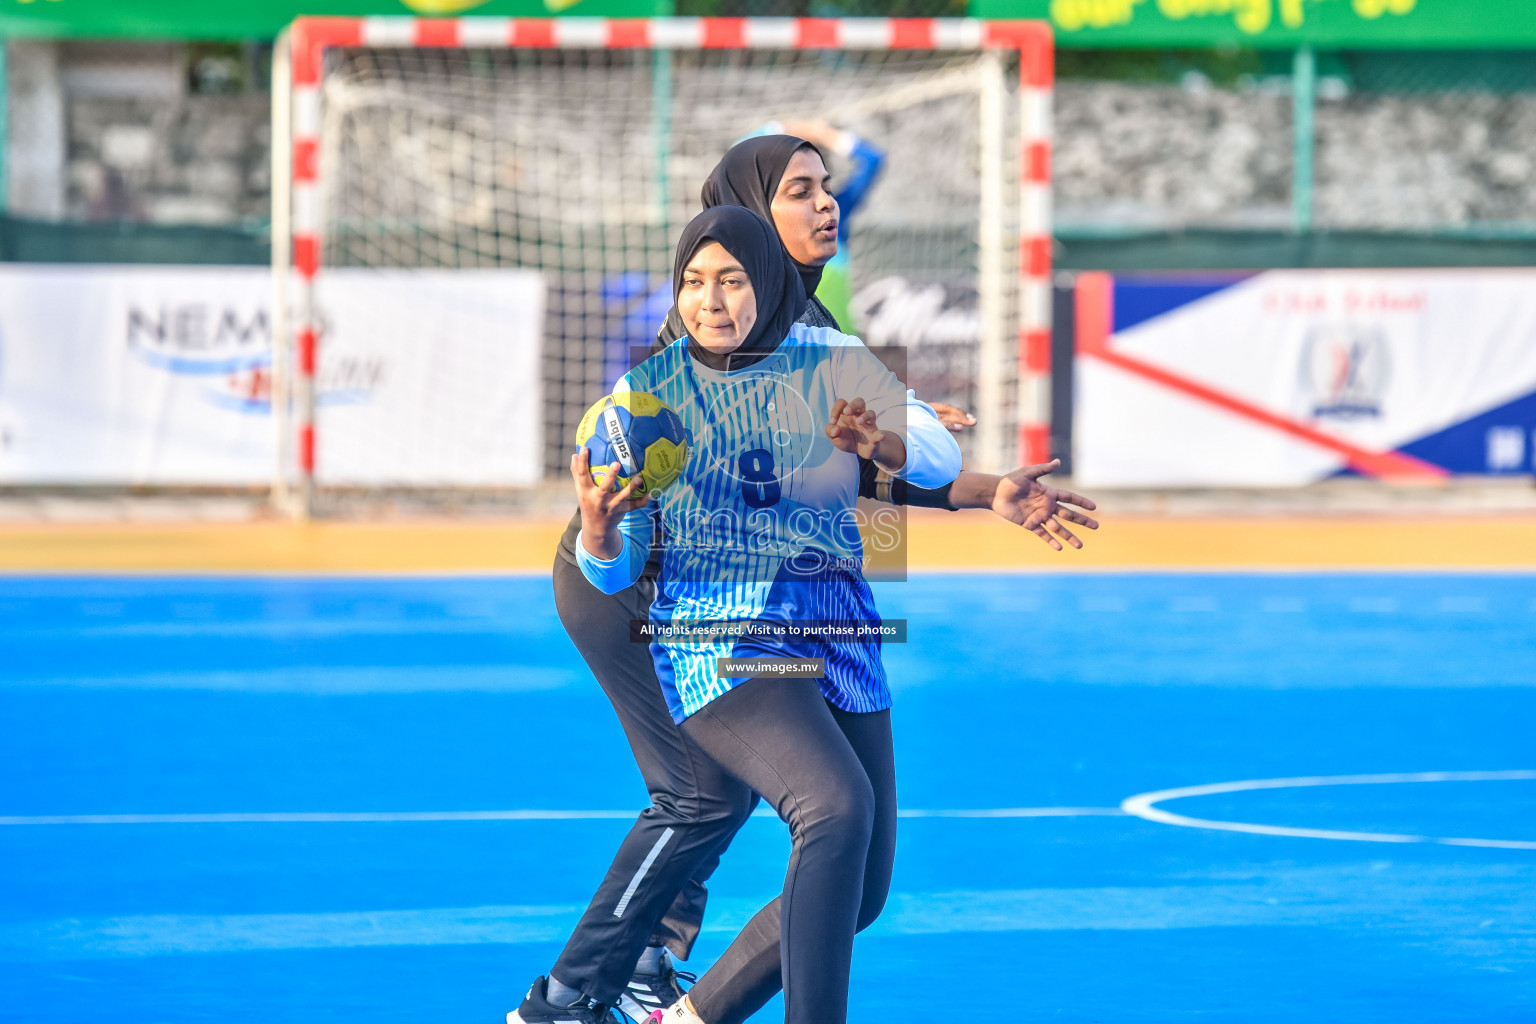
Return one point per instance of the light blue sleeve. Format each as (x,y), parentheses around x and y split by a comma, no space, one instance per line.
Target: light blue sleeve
(933,454)
(637,528)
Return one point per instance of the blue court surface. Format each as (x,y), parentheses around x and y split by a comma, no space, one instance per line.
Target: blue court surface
(256,800)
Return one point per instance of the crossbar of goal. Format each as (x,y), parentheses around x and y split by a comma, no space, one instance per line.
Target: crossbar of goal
(297,177)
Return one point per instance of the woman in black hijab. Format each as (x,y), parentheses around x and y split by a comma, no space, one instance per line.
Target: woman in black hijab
(695,807)
(777,292)
(751,174)
(760,532)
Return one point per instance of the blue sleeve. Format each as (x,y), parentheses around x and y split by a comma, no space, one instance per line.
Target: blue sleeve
(637,528)
(866,160)
(933,454)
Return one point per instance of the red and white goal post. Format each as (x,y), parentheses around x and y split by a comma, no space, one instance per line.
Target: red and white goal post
(471,216)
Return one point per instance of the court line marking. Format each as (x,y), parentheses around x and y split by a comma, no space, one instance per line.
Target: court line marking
(1144,805)
(329,817)
(312,817)
(1012,812)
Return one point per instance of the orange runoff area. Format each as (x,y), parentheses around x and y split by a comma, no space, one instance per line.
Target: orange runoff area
(969,542)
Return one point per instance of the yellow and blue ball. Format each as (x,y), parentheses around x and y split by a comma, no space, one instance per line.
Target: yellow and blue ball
(641,433)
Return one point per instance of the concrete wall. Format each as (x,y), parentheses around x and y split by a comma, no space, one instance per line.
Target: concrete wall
(35,121)
(113,132)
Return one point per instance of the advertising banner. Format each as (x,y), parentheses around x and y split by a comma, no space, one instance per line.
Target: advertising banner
(430,377)
(934,319)
(1356,24)
(1286,377)
(162,375)
(263,19)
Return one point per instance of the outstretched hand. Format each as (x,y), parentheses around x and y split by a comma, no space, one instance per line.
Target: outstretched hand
(1022,499)
(953,418)
(603,505)
(852,428)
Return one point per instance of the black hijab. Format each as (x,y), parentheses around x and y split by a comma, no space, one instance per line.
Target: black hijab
(755,244)
(749,174)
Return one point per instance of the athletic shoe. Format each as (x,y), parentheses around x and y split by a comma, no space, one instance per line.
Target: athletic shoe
(646,993)
(537,1009)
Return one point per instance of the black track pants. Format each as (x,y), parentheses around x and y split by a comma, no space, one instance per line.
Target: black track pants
(831,775)
(654,892)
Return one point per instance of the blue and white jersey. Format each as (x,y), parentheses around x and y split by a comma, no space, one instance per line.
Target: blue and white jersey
(761,527)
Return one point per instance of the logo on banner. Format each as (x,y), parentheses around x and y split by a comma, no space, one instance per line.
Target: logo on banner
(196,338)
(1344,370)
(205,340)
(234,345)
(931,323)
(894,311)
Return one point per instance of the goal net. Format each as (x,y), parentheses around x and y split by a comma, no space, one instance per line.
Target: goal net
(480,233)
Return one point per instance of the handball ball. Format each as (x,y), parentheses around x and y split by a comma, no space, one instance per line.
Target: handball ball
(641,433)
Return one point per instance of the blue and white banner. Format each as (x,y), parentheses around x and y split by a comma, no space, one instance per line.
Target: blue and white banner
(1286,377)
(162,375)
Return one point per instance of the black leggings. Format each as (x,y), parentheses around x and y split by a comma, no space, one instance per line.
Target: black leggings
(831,775)
(653,893)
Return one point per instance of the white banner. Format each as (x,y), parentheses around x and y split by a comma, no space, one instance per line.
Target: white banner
(1287,377)
(161,375)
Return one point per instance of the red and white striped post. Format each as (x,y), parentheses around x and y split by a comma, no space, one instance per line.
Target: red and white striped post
(312,36)
(309,39)
(1037,60)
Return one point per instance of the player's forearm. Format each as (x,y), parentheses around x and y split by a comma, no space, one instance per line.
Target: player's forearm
(601,540)
(611,565)
(891,453)
(899,492)
(973,490)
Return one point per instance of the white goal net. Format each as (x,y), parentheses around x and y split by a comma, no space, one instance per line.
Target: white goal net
(495,229)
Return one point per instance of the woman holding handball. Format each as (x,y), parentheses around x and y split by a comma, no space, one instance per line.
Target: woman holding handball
(760,530)
(652,897)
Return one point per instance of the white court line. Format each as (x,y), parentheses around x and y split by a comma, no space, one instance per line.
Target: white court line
(326,817)
(309,817)
(1143,805)
(1017,812)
